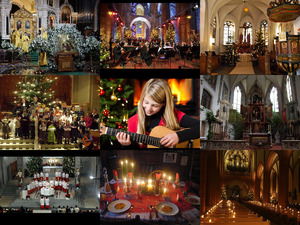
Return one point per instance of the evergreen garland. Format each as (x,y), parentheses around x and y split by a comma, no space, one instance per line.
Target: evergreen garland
(154,34)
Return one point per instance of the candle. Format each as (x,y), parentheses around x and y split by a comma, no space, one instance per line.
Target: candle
(150,187)
(125,181)
(169,180)
(164,178)
(126,166)
(143,183)
(165,190)
(132,165)
(149,181)
(122,168)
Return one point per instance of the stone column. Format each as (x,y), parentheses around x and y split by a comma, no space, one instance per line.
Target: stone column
(203,180)
(266,191)
(256,189)
(283,181)
(267,63)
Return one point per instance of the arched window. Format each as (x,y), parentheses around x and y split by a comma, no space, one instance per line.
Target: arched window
(139,10)
(214,31)
(229,30)
(274,99)
(264,30)
(237,99)
(289,89)
(206,99)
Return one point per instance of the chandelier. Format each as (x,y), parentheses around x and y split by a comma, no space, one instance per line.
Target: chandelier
(283,10)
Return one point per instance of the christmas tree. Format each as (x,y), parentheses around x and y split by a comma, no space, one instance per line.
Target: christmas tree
(36,85)
(115,104)
(69,165)
(154,34)
(170,34)
(33,165)
(259,47)
(118,36)
(228,54)
(104,53)
(223,194)
(127,34)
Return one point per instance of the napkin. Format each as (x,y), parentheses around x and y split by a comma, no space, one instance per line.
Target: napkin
(190,215)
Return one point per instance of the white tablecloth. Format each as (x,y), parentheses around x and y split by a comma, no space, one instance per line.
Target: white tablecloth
(47,191)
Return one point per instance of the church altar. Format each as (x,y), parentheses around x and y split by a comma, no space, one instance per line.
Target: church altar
(245,57)
(47,191)
(52,169)
(260,139)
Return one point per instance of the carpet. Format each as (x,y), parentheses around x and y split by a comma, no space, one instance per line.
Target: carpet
(243,68)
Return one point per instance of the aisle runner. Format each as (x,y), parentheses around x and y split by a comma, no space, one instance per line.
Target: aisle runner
(243,68)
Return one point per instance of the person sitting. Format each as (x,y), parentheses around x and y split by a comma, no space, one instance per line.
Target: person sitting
(145,55)
(117,54)
(87,140)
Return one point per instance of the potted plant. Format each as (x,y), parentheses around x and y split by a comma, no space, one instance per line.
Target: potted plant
(236,121)
(276,124)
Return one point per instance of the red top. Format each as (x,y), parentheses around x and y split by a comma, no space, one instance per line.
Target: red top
(133,121)
(88,121)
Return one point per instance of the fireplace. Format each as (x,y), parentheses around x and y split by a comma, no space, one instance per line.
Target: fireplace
(185,93)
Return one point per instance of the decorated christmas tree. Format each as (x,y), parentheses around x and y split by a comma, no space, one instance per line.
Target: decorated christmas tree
(115,105)
(118,36)
(104,52)
(170,34)
(228,54)
(259,47)
(33,165)
(154,34)
(127,34)
(223,194)
(36,85)
(69,165)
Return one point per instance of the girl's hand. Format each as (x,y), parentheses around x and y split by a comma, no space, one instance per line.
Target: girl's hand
(170,140)
(123,138)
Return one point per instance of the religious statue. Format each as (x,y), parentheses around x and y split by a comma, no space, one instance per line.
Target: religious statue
(20,177)
(43,55)
(25,42)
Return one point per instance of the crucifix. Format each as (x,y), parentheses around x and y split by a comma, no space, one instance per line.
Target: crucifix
(245,26)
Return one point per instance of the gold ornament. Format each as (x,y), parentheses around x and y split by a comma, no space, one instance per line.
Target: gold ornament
(113,97)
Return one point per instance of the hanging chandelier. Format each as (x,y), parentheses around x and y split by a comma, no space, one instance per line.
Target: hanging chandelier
(283,10)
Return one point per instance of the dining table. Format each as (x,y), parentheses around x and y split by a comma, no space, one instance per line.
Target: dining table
(148,205)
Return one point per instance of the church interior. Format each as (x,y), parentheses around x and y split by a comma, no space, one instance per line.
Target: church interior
(50,37)
(150,35)
(30,104)
(66,181)
(251,124)
(249,37)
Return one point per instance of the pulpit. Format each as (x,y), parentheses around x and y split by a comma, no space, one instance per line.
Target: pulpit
(65,61)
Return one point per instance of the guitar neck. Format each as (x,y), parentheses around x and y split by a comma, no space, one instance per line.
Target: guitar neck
(140,138)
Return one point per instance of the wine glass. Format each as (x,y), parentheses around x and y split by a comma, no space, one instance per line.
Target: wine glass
(114,188)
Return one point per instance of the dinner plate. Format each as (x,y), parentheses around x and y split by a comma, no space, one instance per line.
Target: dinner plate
(163,206)
(193,199)
(112,206)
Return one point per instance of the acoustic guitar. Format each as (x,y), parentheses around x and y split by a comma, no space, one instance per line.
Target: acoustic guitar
(85,142)
(153,140)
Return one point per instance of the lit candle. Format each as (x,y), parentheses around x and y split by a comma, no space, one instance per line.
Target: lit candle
(143,183)
(125,181)
(169,180)
(164,175)
(126,166)
(150,187)
(122,168)
(165,190)
(209,220)
(132,165)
